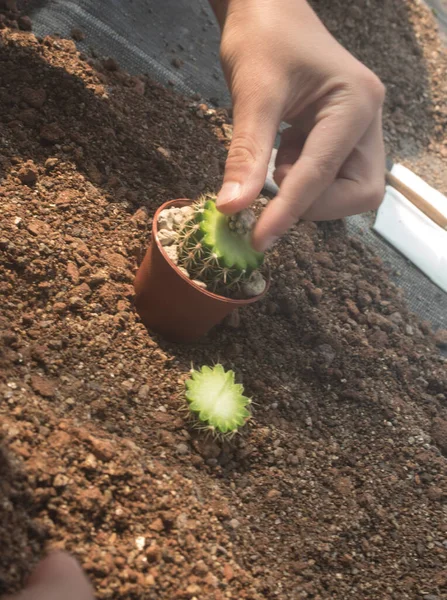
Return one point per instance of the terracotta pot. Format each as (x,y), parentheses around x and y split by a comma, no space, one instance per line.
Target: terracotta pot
(171,304)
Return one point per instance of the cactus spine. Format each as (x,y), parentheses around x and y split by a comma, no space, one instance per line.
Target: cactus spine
(216,249)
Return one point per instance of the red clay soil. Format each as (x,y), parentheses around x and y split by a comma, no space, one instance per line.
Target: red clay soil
(337,488)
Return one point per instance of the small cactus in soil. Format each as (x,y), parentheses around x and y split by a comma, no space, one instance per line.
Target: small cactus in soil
(216,400)
(216,249)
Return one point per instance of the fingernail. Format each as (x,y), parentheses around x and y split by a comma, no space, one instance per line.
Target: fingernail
(230,192)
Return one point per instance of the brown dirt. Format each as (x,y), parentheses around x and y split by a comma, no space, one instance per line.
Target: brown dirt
(336,490)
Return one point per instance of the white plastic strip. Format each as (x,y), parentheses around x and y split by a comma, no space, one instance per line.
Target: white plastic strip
(411,232)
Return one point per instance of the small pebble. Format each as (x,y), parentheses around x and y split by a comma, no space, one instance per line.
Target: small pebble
(25,23)
(77,34)
(177,62)
(165,220)
(182,449)
(28,174)
(254,286)
(172,253)
(243,222)
(200,284)
(184,271)
(140,542)
(234,320)
(187,211)
(76,302)
(144,391)
(441,338)
(166,237)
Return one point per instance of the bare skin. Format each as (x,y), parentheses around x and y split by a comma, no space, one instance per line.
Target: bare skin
(57,577)
(281,64)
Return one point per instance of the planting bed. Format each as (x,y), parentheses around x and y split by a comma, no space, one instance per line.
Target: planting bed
(336,489)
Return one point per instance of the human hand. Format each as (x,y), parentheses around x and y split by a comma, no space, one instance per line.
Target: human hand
(281,64)
(57,577)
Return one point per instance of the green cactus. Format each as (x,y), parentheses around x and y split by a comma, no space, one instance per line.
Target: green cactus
(216,249)
(216,400)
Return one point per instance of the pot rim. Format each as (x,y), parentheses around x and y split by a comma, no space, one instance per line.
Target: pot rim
(174,267)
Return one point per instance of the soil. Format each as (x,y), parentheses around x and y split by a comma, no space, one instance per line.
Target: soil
(338,487)
(400,42)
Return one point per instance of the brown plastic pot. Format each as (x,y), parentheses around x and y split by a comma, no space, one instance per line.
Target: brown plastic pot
(172,305)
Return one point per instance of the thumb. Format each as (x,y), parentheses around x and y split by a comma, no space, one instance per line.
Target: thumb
(254,132)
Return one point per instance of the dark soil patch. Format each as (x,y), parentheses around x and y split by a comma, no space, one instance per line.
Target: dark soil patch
(21,536)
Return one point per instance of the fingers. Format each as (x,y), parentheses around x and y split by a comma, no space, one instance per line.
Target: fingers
(290,148)
(338,129)
(57,577)
(256,122)
(346,197)
(361,183)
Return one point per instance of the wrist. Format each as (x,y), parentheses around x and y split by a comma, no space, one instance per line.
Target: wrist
(220,8)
